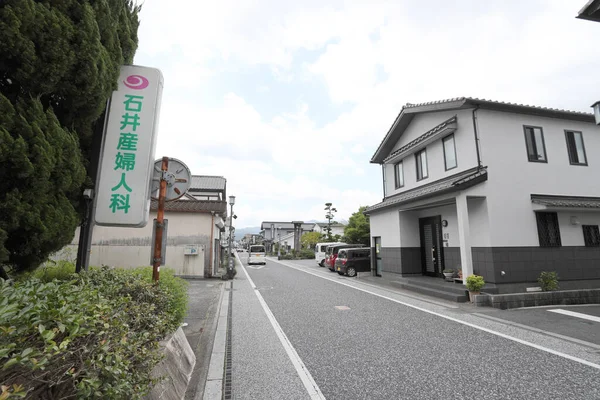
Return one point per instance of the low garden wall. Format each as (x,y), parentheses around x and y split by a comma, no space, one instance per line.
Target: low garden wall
(536,299)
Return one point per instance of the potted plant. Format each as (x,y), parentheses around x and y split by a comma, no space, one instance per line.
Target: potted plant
(448,274)
(474,285)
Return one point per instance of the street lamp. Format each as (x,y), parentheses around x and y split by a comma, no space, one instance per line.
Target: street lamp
(231,264)
(278,243)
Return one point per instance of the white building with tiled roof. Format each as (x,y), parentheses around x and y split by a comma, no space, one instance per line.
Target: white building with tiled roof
(197,220)
(498,189)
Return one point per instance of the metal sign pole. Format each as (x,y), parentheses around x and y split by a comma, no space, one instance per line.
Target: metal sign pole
(160,216)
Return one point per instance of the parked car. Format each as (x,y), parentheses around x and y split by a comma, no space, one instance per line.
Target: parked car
(257,255)
(321,252)
(332,253)
(353,260)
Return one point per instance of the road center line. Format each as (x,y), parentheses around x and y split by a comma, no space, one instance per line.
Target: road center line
(500,334)
(576,314)
(305,376)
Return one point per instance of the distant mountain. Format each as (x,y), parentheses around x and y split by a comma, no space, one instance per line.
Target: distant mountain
(240,232)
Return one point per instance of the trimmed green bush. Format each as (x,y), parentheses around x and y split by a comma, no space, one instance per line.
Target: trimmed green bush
(286,257)
(548,281)
(92,335)
(306,254)
(475,283)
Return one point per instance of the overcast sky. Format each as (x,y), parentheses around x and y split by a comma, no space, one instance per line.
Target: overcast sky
(288,100)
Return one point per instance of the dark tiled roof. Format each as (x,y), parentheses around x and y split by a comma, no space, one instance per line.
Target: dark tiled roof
(566,201)
(285,225)
(205,182)
(409,110)
(495,102)
(422,138)
(193,206)
(453,183)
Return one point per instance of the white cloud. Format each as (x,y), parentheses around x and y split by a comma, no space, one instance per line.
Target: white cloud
(286,166)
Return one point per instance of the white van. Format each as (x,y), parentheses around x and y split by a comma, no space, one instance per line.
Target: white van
(321,250)
(257,255)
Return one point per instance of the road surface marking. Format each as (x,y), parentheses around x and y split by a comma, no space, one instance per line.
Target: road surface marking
(594,346)
(500,334)
(342,307)
(305,376)
(576,314)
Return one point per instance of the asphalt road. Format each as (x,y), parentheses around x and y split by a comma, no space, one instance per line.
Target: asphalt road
(357,345)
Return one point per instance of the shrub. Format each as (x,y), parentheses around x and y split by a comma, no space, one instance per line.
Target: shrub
(50,270)
(286,257)
(92,335)
(306,254)
(548,281)
(475,283)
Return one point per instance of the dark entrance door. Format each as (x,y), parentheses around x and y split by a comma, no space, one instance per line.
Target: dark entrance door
(432,257)
(376,256)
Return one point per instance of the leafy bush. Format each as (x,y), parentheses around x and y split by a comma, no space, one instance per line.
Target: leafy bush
(287,257)
(306,254)
(548,281)
(50,270)
(92,335)
(475,283)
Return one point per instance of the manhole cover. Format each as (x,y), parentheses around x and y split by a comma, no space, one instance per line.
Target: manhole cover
(342,307)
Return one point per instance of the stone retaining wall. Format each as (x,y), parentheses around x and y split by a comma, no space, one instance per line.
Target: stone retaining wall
(175,370)
(536,299)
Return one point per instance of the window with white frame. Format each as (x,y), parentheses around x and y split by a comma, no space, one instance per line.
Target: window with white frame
(575,148)
(399,174)
(449,152)
(421,160)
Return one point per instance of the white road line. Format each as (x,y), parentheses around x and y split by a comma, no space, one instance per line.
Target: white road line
(500,334)
(576,314)
(305,376)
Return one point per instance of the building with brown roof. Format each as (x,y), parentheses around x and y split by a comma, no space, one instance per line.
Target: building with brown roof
(196,233)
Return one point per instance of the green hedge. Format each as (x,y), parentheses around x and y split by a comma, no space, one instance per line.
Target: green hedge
(93,335)
(306,254)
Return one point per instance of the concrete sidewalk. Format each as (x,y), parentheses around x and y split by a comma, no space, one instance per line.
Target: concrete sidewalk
(205,297)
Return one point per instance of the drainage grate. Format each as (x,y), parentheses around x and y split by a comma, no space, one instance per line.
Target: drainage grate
(227,387)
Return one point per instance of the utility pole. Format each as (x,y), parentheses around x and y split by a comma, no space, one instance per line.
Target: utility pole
(231,263)
(278,243)
(160,219)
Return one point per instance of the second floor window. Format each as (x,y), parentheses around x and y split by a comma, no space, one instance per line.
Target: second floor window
(449,152)
(421,158)
(536,149)
(399,175)
(575,148)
